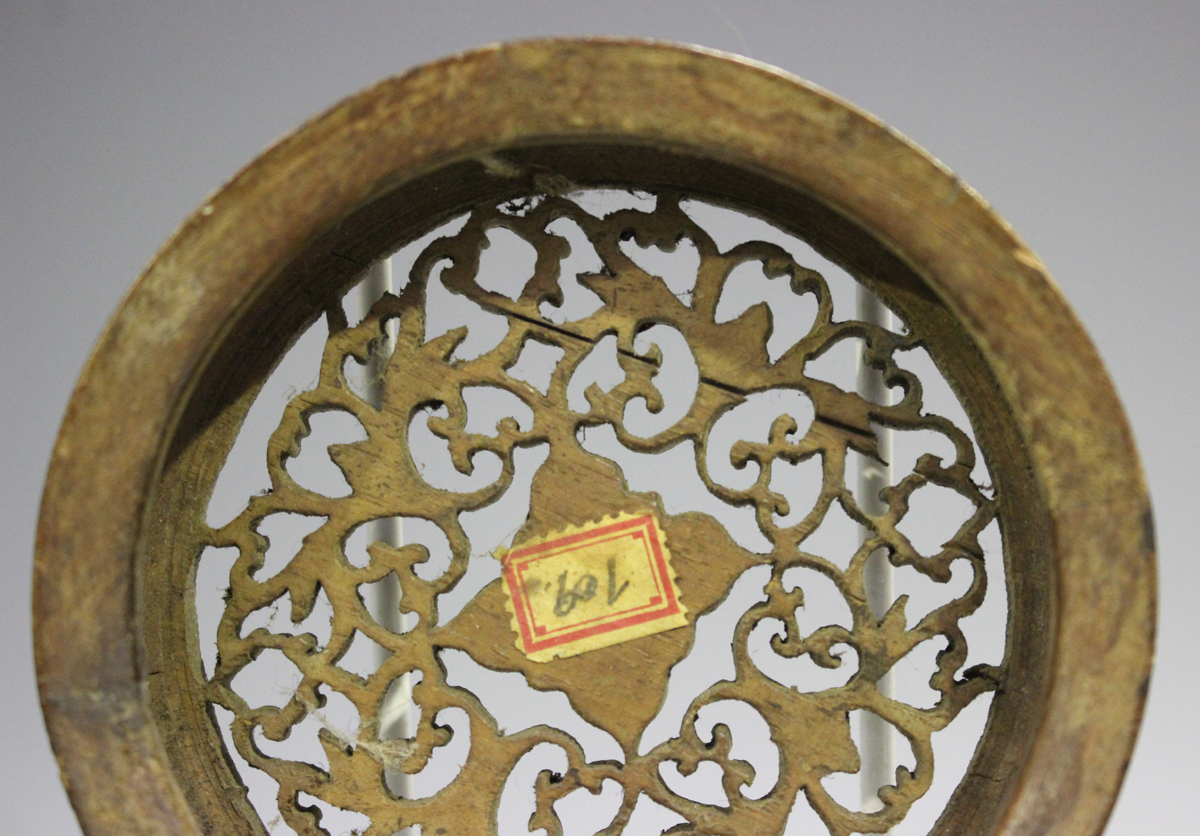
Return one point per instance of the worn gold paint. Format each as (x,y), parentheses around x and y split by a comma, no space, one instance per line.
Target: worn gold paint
(160,402)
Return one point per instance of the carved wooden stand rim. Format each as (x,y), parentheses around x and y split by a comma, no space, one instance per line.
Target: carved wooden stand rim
(304,219)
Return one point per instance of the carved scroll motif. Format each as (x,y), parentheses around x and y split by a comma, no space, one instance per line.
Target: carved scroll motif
(619,688)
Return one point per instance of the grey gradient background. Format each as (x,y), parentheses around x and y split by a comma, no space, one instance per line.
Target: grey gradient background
(1078,121)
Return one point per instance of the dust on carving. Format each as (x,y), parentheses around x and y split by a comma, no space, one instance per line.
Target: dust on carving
(621,688)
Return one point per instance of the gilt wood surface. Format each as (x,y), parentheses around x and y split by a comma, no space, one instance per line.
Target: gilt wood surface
(159,404)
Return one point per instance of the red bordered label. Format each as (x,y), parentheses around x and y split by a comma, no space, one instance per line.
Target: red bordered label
(589,587)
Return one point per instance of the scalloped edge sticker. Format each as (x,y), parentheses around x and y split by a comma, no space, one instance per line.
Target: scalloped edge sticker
(591,586)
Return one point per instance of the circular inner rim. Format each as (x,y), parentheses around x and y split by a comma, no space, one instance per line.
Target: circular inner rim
(300,293)
(278,236)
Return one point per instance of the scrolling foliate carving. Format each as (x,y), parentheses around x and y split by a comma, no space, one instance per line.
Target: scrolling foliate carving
(621,687)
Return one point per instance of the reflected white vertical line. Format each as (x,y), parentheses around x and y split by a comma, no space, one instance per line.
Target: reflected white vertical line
(395,715)
(877,736)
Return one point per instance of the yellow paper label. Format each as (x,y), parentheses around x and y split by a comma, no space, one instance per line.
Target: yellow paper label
(589,587)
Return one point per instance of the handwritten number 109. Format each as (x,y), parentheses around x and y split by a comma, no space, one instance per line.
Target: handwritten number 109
(585,588)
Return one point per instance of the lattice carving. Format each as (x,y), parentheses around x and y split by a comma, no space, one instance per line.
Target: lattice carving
(619,688)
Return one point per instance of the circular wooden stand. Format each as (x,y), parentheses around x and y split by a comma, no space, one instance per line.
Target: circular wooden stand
(160,402)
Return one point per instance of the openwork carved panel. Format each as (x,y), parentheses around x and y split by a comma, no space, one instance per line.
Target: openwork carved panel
(632,443)
(425,383)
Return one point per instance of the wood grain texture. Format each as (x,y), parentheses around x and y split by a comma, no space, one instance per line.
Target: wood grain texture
(159,404)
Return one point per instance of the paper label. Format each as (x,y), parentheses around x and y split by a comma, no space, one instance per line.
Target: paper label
(589,587)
